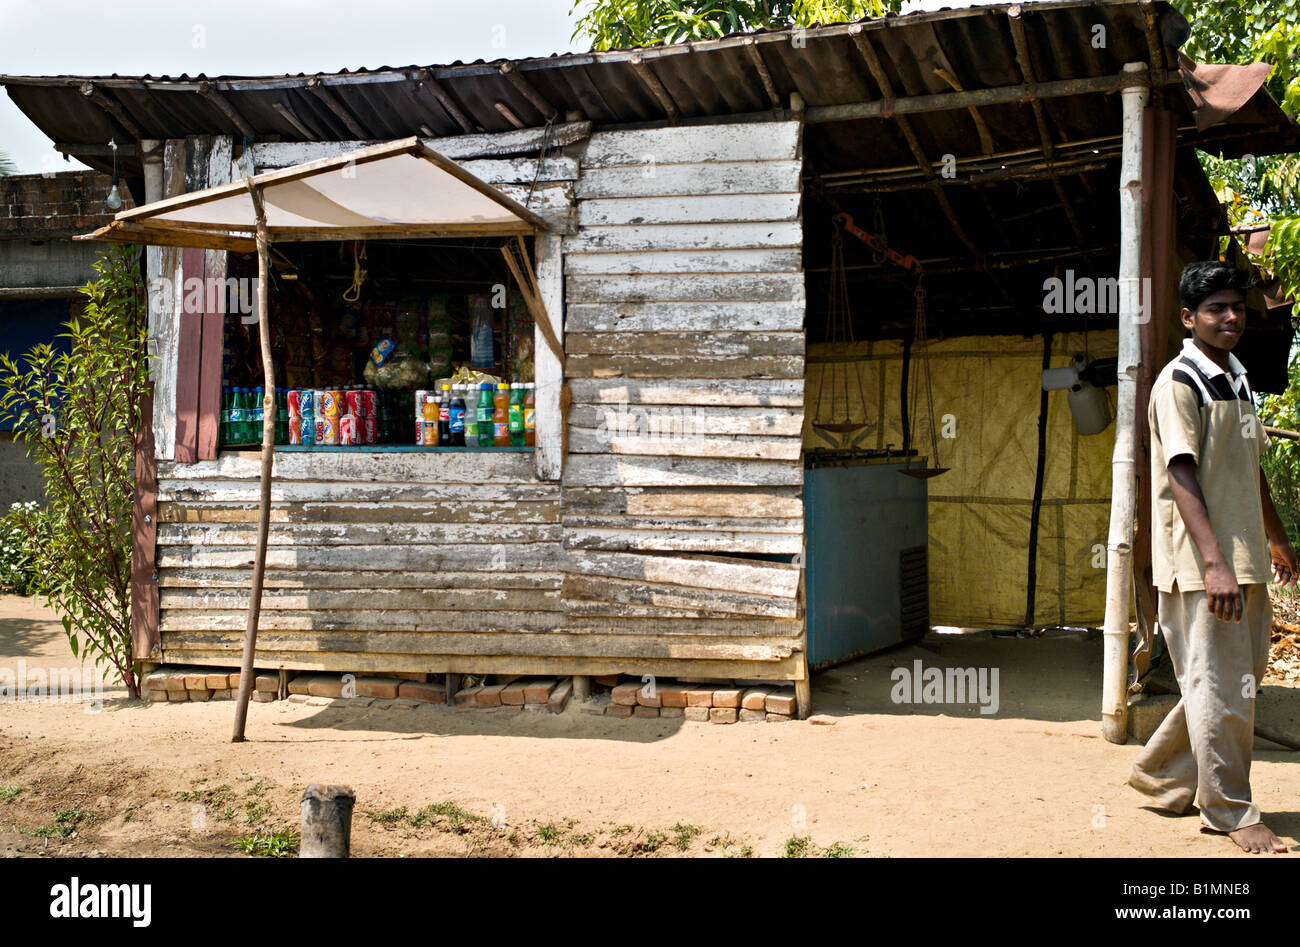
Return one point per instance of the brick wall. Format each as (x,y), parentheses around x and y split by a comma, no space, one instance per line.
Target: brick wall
(51,205)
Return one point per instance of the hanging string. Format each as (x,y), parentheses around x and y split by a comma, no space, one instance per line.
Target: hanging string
(353,292)
(547,135)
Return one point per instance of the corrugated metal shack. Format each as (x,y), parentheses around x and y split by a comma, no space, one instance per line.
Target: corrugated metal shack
(690,192)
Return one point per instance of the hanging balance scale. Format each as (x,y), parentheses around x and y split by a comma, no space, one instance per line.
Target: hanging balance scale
(919,380)
(840,418)
(839,331)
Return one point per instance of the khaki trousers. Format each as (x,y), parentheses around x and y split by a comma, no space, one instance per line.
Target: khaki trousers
(1201,753)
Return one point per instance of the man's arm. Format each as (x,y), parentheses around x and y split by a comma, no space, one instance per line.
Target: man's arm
(1285,567)
(1221,589)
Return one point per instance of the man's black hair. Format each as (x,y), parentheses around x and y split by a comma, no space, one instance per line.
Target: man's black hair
(1202,280)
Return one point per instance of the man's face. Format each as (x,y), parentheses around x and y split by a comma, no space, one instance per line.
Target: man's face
(1220,319)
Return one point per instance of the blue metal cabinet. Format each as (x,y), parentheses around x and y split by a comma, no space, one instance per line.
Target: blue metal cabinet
(866,579)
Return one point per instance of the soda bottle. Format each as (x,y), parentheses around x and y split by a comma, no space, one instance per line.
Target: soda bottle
(258,414)
(471,416)
(516,415)
(282,416)
(223,432)
(456,415)
(444,417)
(239,417)
(501,416)
(485,410)
(530,414)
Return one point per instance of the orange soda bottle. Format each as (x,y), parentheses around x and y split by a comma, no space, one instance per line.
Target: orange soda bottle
(501,416)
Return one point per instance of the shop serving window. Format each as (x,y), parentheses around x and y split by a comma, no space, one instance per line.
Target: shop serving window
(385,345)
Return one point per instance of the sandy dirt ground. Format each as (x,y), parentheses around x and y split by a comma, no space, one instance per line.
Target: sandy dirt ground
(885,779)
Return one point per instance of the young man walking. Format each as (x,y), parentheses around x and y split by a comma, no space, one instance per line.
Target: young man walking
(1216,541)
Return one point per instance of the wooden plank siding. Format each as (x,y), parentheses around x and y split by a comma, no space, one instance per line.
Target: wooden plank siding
(684,349)
(661,534)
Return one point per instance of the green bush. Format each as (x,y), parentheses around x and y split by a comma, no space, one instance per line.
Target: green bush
(17,561)
(78,414)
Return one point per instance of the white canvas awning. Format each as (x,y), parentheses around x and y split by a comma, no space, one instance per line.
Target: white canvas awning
(400,188)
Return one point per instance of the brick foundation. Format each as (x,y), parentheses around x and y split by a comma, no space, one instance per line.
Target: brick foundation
(611,696)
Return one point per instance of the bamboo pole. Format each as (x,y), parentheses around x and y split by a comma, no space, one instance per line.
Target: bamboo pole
(268,458)
(1123,499)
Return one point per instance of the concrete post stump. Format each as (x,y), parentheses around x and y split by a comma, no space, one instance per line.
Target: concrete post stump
(327,821)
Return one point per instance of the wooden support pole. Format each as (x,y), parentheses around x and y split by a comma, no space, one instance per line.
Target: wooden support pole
(452,684)
(582,688)
(1119,546)
(268,459)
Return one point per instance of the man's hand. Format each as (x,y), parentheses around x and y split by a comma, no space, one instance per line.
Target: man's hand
(1286,568)
(1222,593)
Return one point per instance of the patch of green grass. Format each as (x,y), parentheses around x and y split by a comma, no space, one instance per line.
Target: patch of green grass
(9,793)
(799,846)
(282,843)
(683,835)
(653,841)
(389,816)
(255,811)
(618,830)
(586,838)
(449,810)
(738,851)
(65,823)
(838,850)
(258,788)
(548,833)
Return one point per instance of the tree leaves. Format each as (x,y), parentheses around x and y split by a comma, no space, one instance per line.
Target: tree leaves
(77,414)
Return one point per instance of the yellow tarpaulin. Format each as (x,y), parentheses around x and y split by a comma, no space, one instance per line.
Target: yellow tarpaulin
(986,405)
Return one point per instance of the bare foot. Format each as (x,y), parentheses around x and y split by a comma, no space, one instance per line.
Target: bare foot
(1257,839)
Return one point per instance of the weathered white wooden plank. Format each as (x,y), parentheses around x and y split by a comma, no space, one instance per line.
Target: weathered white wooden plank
(337,619)
(501,171)
(741,502)
(669,444)
(669,366)
(705,572)
(234,578)
(449,467)
(356,534)
(548,371)
(686,287)
(599,470)
(215,490)
(693,143)
(449,511)
(619,599)
(714,524)
(682,540)
(497,557)
(268,155)
(651,420)
(552,202)
(165,305)
(690,391)
(719,177)
(636,316)
(275,599)
(691,209)
(383,643)
(736,236)
(601,591)
(788,260)
(702,345)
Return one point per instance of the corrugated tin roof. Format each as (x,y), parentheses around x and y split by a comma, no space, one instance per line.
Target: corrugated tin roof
(921,53)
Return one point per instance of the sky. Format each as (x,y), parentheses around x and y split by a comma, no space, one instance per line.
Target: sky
(170,37)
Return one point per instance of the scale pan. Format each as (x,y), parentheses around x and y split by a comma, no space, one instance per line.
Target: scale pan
(924,473)
(846,428)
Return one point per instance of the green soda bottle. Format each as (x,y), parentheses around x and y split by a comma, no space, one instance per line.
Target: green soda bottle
(227,403)
(239,417)
(516,415)
(486,407)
